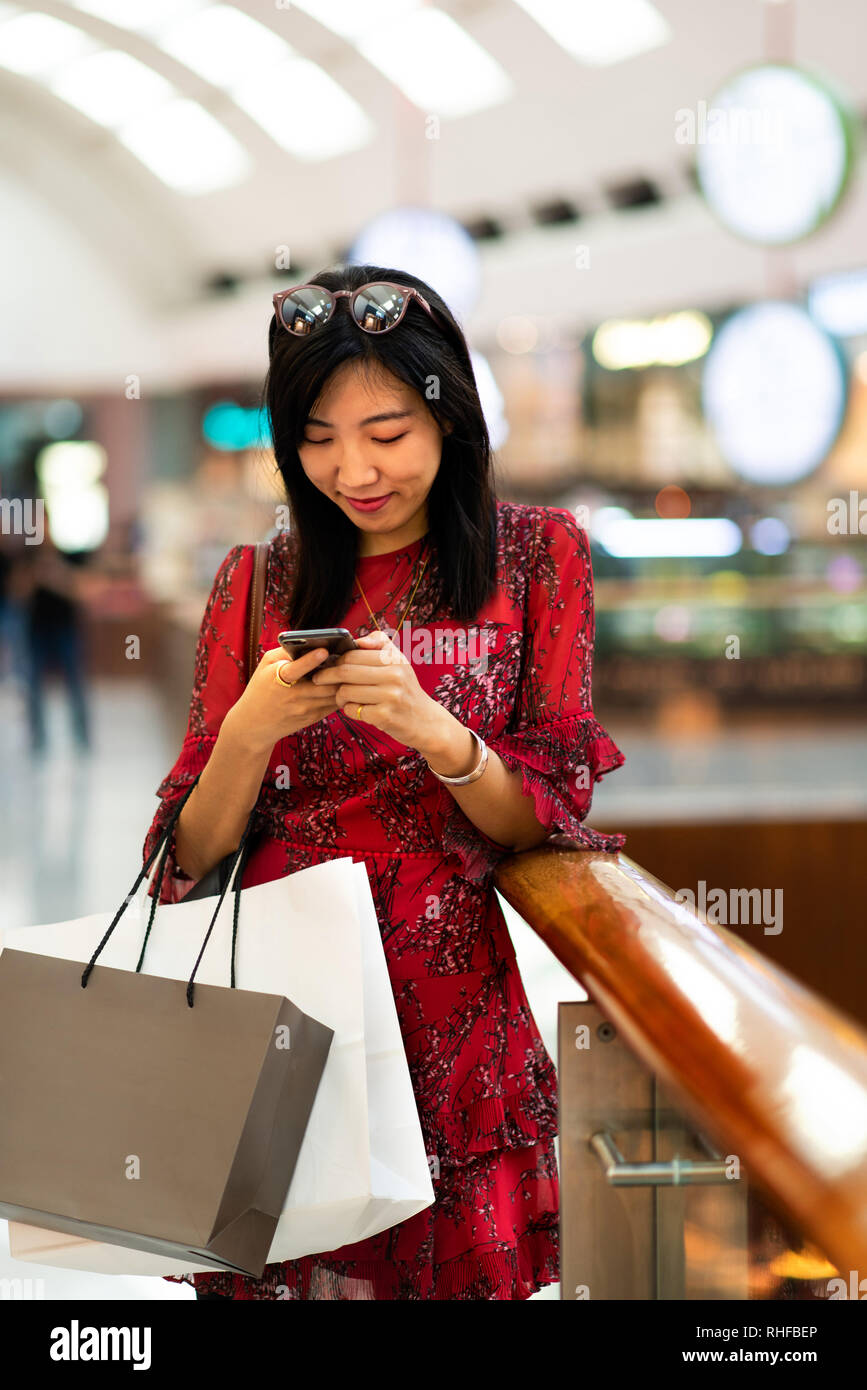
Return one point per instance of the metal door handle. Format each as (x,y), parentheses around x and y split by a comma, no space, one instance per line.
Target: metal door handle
(676,1172)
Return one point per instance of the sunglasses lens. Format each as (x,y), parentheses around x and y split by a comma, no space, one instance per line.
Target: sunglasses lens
(378,307)
(305,309)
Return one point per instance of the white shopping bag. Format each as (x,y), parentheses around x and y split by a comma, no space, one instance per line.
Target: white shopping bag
(314,936)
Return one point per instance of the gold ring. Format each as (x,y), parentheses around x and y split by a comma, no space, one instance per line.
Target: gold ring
(360,708)
(277,669)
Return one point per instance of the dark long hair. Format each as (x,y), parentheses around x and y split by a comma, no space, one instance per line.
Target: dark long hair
(461,503)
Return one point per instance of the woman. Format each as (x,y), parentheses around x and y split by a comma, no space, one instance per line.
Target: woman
(373,397)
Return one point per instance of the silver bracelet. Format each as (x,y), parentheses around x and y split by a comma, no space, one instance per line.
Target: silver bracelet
(471,776)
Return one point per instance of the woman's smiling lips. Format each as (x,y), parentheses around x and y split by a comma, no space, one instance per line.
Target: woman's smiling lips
(369,504)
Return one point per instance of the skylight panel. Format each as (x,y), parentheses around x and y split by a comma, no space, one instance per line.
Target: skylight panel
(304,110)
(35,44)
(184,146)
(600,32)
(111,87)
(436,64)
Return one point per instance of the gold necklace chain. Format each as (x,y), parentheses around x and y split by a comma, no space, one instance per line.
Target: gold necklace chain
(408,606)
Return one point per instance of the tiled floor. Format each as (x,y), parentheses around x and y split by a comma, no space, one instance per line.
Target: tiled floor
(73,828)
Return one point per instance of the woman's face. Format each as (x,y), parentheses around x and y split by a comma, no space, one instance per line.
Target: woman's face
(370,436)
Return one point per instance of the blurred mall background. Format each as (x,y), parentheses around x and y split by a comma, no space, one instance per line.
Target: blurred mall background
(651,220)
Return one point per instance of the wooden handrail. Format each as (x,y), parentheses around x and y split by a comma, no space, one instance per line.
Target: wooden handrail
(765,1068)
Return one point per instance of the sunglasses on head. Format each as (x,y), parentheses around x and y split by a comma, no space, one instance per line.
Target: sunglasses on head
(376,307)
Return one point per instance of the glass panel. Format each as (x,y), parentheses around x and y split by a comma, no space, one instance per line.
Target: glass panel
(725,1241)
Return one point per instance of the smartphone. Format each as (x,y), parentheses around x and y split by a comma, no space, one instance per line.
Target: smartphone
(336,640)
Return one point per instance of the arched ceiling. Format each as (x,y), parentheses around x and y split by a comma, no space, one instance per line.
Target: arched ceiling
(566,130)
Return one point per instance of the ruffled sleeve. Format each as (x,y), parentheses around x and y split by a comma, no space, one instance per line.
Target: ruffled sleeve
(553,738)
(218,681)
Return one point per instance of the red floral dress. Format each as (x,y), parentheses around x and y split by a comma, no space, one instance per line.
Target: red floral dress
(485,1085)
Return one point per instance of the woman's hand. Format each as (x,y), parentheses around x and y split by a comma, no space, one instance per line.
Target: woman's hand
(267,711)
(379,677)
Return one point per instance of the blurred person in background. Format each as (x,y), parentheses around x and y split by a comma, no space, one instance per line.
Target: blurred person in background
(47,584)
(11,638)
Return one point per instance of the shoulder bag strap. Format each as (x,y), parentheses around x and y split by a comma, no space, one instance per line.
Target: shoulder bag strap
(257,597)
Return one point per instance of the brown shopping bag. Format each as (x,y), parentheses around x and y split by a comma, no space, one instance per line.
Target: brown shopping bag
(141,1112)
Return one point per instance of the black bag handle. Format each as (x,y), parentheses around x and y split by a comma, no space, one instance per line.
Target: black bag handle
(236,870)
(242,852)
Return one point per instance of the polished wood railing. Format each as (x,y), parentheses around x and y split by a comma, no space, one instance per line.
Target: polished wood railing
(765,1067)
